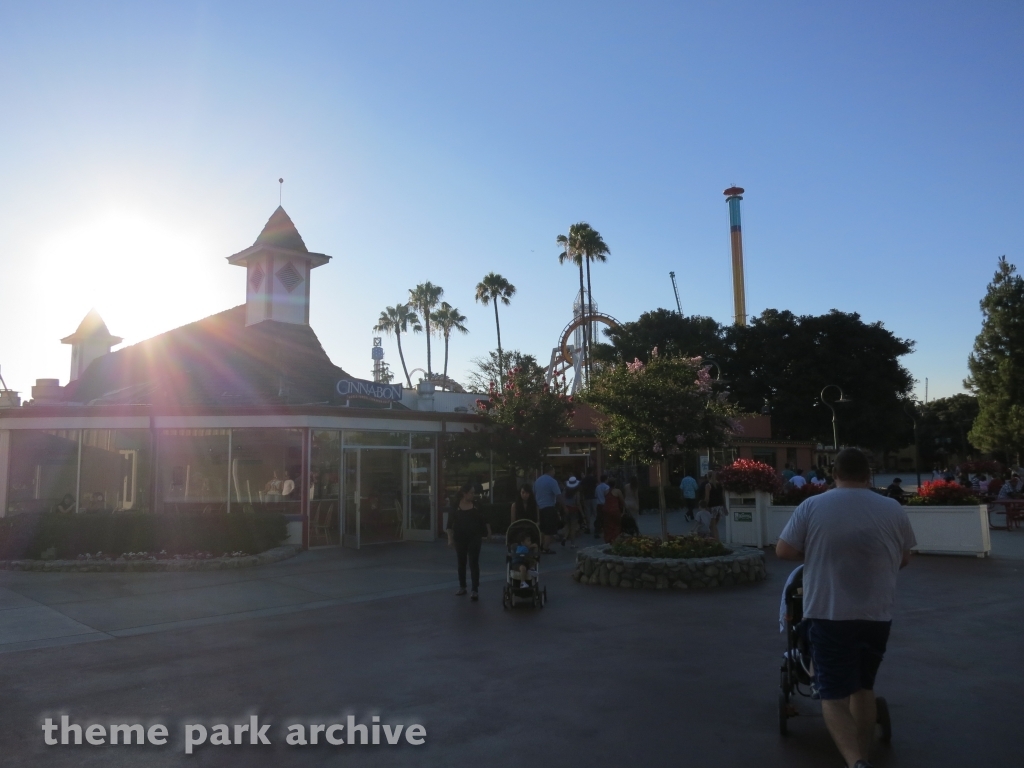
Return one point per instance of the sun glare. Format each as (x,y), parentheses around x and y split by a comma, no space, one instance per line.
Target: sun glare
(141,275)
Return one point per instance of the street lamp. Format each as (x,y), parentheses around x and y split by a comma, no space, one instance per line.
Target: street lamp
(842,399)
(910,408)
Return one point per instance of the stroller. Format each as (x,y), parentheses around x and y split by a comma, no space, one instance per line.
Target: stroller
(797,668)
(514,593)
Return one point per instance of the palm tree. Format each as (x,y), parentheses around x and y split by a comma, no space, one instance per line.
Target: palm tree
(572,252)
(590,246)
(397,320)
(447,319)
(495,288)
(424,297)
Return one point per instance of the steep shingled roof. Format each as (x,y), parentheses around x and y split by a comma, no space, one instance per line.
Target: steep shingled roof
(280,232)
(215,361)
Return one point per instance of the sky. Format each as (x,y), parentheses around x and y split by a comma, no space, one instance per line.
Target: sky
(141,144)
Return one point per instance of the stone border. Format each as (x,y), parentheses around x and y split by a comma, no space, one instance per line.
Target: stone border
(149,566)
(594,565)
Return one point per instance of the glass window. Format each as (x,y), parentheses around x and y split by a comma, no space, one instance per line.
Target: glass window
(266,469)
(764,455)
(43,471)
(325,489)
(115,470)
(423,441)
(193,467)
(398,439)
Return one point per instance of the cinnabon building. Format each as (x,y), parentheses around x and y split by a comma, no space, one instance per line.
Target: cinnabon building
(239,411)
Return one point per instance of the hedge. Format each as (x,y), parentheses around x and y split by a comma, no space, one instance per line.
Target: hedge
(28,535)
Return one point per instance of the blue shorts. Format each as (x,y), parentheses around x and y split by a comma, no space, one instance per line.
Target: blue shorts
(847,655)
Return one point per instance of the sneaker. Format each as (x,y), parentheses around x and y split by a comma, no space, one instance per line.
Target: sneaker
(473,595)
(462,591)
(523,585)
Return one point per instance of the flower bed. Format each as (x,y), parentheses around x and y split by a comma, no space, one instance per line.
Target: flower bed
(677,547)
(943,493)
(599,567)
(151,563)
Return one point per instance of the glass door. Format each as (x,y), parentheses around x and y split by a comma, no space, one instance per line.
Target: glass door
(350,509)
(419,524)
(381,495)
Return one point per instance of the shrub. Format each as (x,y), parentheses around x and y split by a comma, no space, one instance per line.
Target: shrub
(791,496)
(943,493)
(745,475)
(30,534)
(676,547)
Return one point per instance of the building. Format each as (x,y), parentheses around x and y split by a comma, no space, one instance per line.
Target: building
(242,410)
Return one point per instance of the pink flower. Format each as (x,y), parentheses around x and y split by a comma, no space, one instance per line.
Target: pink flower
(636,366)
(657,447)
(680,439)
(654,352)
(703,381)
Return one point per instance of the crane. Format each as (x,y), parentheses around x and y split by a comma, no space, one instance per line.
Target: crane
(675,288)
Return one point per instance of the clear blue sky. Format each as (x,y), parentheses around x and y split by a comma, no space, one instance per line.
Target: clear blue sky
(880,145)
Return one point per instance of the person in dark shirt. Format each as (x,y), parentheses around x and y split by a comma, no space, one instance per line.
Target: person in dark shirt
(466,529)
(895,490)
(588,488)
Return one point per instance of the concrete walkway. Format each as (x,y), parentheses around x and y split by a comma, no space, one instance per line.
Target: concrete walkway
(600,677)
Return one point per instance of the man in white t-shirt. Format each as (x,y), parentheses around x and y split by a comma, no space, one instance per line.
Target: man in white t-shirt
(853,542)
(798,480)
(599,493)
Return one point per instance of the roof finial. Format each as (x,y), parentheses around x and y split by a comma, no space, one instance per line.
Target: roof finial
(280,192)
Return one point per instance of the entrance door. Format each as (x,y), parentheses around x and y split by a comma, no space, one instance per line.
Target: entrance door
(419,524)
(350,508)
(381,495)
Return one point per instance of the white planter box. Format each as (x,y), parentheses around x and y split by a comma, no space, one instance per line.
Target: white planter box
(951,530)
(746,522)
(938,530)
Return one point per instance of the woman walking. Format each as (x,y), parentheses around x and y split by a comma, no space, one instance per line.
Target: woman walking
(714,496)
(466,529)
(632,495)
(573,511)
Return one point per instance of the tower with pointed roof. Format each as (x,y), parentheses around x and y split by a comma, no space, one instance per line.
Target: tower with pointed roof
(277,273)
(90,341)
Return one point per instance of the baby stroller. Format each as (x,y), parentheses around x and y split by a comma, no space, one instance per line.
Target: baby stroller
(515,593)
(797,668)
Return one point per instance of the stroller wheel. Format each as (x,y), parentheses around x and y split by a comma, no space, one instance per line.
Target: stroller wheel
(882,706)
(505,598)
(783,714)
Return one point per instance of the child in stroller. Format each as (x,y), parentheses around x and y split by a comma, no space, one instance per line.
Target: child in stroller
(522,566)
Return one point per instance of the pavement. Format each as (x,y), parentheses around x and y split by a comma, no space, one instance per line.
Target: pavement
(601,677)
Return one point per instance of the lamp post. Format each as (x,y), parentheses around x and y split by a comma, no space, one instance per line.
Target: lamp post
(842,399)
(910,408)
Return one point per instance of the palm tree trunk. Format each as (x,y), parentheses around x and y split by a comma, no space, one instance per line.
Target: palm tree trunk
(501,362)
(590,305)
(444,383)
(426,321)
(586,329)
(398,338)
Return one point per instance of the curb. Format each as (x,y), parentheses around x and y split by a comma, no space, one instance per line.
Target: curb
(151,566)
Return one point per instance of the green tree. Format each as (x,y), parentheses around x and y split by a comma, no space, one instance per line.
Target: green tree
(397,320)
(488,369)
(424,297)
(997,365)
(523,417)
(669,332)
(651,409)
(942,427)
(447,319)
(584,244)
(495,288)
(784,360)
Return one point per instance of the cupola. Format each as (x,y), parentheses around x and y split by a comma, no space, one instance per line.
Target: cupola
(277,273)
(90,341)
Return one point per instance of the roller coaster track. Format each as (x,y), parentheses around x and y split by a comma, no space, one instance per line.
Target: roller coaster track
(596,317)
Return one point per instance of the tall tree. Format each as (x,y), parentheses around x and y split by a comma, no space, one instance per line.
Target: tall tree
(784,360)
(943,425)
(572,252)
(447,319)
(588,242)
(669,332)
(997,365)
(495,288)
(397,320)
(424,297)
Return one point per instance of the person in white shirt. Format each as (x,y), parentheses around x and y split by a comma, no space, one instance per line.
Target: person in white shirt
(798,480)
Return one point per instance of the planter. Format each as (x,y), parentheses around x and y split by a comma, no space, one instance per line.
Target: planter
(596,566)
(951,530)
(746,521)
